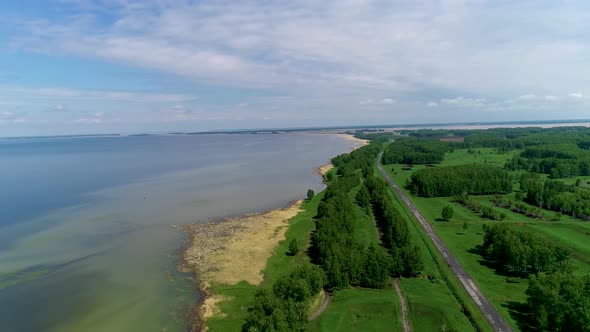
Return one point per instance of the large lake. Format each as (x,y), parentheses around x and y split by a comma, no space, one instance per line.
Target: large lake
(86,242)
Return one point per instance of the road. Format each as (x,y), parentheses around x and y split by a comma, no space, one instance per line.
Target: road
(497,322)
(404,305)
(323,307)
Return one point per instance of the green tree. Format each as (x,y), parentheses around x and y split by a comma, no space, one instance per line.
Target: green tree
(447,212)
(310,194)
(293,247)
(363,198)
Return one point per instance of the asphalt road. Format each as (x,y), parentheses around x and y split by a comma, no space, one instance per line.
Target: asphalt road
(497,322)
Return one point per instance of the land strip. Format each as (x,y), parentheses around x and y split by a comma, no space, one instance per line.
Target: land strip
(404,305)
(491,314)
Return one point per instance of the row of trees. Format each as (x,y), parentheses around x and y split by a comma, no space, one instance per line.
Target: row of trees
(394,230)
(555,167)
(334,246)
(483,210)
(522,253)
(459,180)
(523,208)
(285,306)
(414,151)
(555,195)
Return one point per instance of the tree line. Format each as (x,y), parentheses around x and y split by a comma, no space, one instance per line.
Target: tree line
(414,151)
(474,179)
(555,195)
(483,210)
(394,230)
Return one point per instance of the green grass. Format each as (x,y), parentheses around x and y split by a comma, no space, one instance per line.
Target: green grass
(361,310)
(365,228)
(481,155)
(503,292)
(237,297)
(437,301)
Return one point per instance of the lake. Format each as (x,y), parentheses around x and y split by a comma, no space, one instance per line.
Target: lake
(86,242)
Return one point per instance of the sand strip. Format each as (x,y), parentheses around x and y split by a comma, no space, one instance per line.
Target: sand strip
(231,251)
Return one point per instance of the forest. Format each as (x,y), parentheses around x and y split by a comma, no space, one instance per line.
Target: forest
(522,253)
(555,195)
(414,151)
(337,259)
(479,179)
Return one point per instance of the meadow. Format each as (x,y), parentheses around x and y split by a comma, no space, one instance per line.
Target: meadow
(463,233)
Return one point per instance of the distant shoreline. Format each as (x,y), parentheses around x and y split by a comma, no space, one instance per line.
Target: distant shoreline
(219,252)
(330,129)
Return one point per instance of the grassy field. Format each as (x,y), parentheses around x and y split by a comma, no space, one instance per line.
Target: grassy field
(437,302)
(504,293)
(361,310)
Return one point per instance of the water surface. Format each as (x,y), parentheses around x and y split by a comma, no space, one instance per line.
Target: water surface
(85,236)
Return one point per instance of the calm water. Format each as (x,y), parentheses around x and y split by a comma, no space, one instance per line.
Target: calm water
(85,236)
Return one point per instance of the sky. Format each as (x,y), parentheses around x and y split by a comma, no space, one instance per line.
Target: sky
(126,66)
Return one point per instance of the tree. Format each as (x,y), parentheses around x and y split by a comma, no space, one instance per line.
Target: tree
(310,194)
(447,212)
(293,247)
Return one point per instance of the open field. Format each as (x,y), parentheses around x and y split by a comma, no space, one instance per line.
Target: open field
(360,309)
(437,301)
(504,292)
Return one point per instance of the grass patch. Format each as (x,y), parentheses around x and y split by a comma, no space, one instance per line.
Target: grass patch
(361,310)
(365,227)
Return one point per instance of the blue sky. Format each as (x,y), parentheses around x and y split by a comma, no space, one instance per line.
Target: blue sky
(100,66)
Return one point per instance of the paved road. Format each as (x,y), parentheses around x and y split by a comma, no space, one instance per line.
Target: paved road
(491,314)
(323,307)
(402,300)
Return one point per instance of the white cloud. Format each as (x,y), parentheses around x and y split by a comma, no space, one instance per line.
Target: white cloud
(391,45)
(432,104)
(59,107)
(464,102)
(387,101)
(576,95)
(528,97)
(551,98)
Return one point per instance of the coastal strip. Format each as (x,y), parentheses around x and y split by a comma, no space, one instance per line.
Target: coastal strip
(231,251)
(235,250)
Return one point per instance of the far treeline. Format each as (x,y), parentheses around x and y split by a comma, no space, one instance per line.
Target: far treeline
(337,259)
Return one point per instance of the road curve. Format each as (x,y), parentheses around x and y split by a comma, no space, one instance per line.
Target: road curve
(497,322)
(323,307)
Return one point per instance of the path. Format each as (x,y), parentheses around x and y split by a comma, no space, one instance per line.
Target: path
(323,307)
(402,300)
(497,322)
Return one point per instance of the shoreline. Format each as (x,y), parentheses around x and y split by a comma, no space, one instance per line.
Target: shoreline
(236,249)
(324,169)
(223,252)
